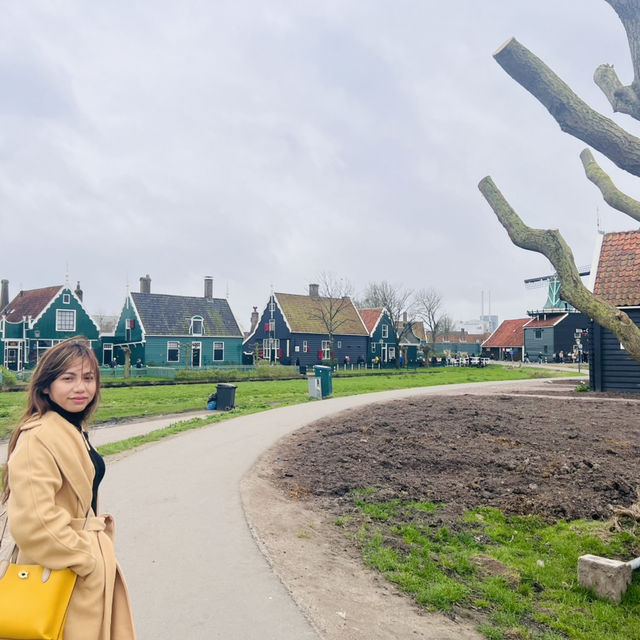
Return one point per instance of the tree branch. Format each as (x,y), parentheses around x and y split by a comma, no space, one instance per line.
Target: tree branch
(573,115)
(622,99)
(611,194)
(552,245)
(629,13)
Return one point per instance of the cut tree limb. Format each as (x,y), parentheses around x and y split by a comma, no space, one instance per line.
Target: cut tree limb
(623,99)
(573,115)
(611,194)
(550,243)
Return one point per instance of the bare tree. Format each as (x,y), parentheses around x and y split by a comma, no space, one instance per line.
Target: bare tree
(397,302)
(581,121)
(332,305)
(429,310)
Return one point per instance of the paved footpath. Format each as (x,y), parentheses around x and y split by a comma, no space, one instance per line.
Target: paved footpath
(193,568)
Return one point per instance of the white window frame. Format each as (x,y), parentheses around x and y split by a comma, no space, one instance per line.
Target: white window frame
(193,348)
(326,349)
(339,345)
(173,345)
(193,324)
(218,346)
(66,298)
(385,330)
(373,347)
(305,346)
(65,313)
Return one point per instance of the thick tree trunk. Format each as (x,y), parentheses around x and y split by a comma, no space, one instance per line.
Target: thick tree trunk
(551,244)
(611,194)
(573,115)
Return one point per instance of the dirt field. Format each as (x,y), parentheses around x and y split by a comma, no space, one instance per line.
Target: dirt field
(550,456)
(548,451)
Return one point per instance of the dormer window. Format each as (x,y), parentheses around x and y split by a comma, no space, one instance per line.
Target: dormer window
(66,298)
(196,326)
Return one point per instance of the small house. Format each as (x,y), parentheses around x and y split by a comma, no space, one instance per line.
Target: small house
(507,341)
(37,319)
(294,330)
(175,331)
(382,346)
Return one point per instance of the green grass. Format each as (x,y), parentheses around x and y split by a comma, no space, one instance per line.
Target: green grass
(140,401)
(517,575)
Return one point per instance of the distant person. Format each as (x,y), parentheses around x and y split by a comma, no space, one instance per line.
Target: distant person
(50,487)
(113,363)
(138,363)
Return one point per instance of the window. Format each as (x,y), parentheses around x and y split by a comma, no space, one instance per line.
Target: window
(339,344)
(218,351)
(305,346)
(173,352)
(538,334)
(42,346)
(326,349)
(385,331)
(65,320)
(196,326)
(66,298)
(373,347)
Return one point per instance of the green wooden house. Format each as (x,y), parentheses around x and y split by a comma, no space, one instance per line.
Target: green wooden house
(175,331)
(37,319)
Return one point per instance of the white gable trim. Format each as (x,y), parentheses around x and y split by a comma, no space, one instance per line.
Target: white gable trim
(595,261)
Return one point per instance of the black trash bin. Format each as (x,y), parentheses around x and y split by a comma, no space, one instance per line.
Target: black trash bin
(226,396)
(303,369)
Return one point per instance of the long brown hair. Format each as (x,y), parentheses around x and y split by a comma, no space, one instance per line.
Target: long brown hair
(52,365)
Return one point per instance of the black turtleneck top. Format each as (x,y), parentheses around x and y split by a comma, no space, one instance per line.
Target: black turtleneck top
(98,463)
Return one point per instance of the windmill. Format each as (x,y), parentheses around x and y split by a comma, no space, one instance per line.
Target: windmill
(552,282)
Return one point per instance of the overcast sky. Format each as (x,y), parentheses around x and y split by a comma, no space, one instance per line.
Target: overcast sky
(263,142)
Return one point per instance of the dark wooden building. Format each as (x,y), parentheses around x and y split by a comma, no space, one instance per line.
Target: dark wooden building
(617,280)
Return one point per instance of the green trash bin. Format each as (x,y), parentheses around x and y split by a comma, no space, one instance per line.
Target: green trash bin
(324,373)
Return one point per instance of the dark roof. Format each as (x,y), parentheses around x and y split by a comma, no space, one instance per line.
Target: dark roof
(30,303)
(509,334)
(618,274)
(165,315)
(302,315)
(549,320)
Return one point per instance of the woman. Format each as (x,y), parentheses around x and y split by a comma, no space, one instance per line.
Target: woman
(51,485)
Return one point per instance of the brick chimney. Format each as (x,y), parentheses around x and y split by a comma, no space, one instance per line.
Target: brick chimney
(4,294)
(254,319)
(208,287)
(78,291)
(314,291)
(145,284)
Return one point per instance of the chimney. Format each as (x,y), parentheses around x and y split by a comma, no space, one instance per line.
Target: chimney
(145,284)
(208,287)
(254,319)
(314,291)
(78,291)
(4,294)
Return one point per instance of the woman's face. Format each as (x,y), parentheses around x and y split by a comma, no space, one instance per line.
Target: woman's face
(75,388)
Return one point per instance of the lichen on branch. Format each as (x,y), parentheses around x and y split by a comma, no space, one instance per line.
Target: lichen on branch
(611,194)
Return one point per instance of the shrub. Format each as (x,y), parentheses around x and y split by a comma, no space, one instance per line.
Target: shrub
(8,377)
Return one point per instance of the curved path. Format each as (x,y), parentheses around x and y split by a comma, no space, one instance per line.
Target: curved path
(193,568)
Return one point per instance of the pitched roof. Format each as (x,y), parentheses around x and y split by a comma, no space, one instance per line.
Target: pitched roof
(166,315)
(30,303)
(550,320)
(370,317)
(302,314)
(509,334)
(419,331)
(618,271)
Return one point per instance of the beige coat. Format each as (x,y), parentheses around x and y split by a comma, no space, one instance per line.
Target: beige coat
(51,477)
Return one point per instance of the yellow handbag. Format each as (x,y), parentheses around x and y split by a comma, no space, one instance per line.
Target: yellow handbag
(33,600)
